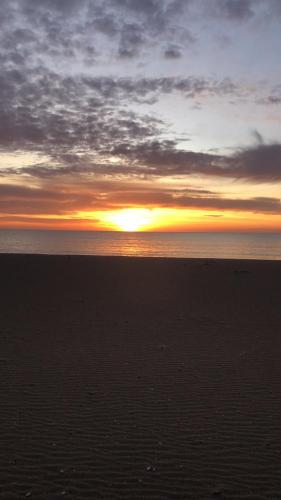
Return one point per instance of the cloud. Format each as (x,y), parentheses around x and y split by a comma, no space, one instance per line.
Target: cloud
(261,163)
(53,200)
(66,28)
(257,204)
(193,199)
(38,222)
(68,199)
(132,38)
(173,52)
(105,23)
(238,10)
(42,109)
(142,90)
(45,111)
(69,28)
(274,98)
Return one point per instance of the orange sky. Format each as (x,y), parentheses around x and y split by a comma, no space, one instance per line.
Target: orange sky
(143,219)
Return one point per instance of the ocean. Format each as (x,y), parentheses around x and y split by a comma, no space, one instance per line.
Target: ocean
(262,246)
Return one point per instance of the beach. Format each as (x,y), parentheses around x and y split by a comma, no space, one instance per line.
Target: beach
(139,378)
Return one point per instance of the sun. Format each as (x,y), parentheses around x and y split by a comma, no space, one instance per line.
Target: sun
(131,219)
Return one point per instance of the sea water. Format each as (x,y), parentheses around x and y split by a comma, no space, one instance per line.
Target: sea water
(264,246)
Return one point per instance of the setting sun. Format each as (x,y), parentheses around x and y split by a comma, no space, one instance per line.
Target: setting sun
(133,219)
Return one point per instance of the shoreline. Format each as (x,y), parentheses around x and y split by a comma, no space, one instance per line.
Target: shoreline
(137,257)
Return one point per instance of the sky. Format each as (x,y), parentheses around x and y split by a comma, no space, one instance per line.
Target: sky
(140,115)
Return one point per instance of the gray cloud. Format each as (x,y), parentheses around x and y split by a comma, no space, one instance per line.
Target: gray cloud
(273,100)
(66,28)
(236,9)
(155,159)
(259,163)
(56,200)
(173,52)
(193,199)
(257,204)
(132,38)
(65,199)
(142,89)
(44,110)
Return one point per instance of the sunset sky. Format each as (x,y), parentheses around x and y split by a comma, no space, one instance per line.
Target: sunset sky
(140,114)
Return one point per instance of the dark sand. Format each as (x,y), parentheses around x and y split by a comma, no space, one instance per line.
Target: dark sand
(139,378)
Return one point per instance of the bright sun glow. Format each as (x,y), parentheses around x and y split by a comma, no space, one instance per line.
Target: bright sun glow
(133,219)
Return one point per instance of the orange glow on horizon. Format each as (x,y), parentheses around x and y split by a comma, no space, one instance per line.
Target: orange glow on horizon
(144,219)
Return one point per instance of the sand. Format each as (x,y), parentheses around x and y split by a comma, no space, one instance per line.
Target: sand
(139,378)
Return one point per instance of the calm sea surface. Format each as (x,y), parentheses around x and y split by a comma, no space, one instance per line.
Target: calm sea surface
(205,245)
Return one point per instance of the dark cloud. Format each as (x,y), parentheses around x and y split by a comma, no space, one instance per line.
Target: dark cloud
(261,163)
(271,100)
(64,28)
(271,7)
(236,9)
(204,200)
(105,23)
(244,10)
(56,30)
(148,7)
(156,13)
(162,158)
(173,52)
(274,100)
(38,222)
(155,159)
(153,10)
(55,200)
(132,38)
(142,89)
(257,205)
(58,25)
(63,200)
(44,110)
(60,6)
(258,137)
